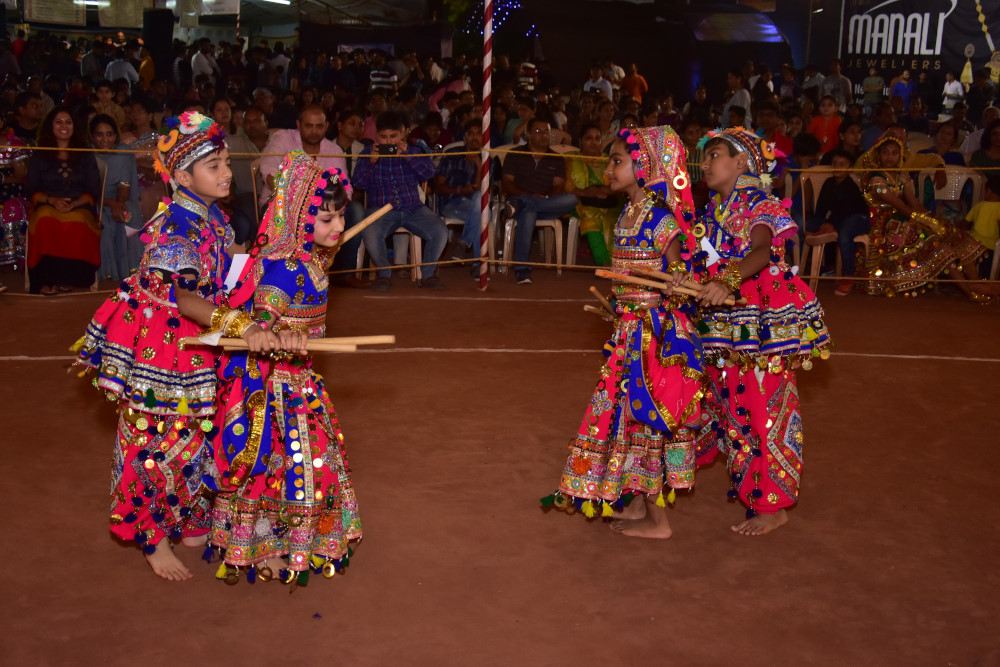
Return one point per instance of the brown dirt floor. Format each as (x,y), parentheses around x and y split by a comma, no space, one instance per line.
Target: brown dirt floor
(888,560)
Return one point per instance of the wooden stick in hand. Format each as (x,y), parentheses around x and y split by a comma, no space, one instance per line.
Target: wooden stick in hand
(343,344)
(600,312)
(604,302)
(675,289)
(360,227)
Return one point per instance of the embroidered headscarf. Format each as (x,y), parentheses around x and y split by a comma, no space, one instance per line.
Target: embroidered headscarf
(658,159)
(870,159)
(286,232)
(184,139)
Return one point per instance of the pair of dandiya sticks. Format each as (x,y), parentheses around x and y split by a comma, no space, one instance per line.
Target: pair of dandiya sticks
(343,344)
(687,288)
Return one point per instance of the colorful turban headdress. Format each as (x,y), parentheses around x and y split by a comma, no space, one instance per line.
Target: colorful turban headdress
(183,140)
(286,232)
(762,158)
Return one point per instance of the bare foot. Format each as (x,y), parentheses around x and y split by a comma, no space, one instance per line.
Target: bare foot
(199,541)
(652,526)
(761,524)
(165,564)
(634,510)
(274,565)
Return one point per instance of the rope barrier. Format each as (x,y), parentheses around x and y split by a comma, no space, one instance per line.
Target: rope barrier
(491,151)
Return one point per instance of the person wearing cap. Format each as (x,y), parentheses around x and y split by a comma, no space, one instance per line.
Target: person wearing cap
(753,349)
(165,392)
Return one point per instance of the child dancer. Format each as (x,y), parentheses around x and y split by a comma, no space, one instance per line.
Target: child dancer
(285,480)
(638,434)
(752,350)
(164,394)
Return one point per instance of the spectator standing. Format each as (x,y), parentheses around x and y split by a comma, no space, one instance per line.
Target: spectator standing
(740,97)
(614,74)
(598,83)
(838,86)
(980,96)
(952,92)
(397,181)
(534,186)
(280,62)
(91,64)
(905,89)
(812,86)
(381,77)
(788,89)
(874,87)
(121,68)
(634,84)
(203,62)
(699,108)
(824,126)
(147,68)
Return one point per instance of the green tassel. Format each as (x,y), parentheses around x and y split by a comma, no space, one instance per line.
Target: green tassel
(703,328)
(150,401)
(744,332)
(548,501)
(303,578)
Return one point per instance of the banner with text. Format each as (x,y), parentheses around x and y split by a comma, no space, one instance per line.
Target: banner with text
(922,36)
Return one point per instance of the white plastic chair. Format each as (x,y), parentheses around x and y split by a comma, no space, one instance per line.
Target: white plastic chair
(415,249)
(811,181)
(995,269)
(554,224)
(957,178)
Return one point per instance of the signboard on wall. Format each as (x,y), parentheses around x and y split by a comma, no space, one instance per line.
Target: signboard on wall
(67,12)
(122,13)
(923,36)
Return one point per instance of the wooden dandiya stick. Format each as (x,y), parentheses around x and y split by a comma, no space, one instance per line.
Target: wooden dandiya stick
(312,345)
(604,302)
(677,289)
(360,227)
(688,283)
(600,312)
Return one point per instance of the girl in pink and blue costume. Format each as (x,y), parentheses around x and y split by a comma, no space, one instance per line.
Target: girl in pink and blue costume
(287,505)
(165,395)
(638,435)
(752,350)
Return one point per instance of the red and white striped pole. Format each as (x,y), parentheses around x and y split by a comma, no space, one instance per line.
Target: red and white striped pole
(484,183)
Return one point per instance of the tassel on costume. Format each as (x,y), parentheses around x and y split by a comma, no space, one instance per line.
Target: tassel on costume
(606,509)
(78,345)
(182,406)
(588,510)
(548,501)
(150,401)
(744,332)
(672,496)
(303,577)
(251,574)
(659,500)
(208,556)
(221,572)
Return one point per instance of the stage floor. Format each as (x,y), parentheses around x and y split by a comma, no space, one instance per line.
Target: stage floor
(457,431)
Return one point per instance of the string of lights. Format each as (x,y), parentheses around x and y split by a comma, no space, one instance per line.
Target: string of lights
(503,11)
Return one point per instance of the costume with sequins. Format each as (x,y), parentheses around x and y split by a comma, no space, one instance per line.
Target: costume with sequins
(907,251)
(752,350)
(285,480)
(165,395)
(14,211)
(638,433)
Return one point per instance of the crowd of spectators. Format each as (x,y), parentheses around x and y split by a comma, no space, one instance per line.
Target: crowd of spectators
(357,105)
